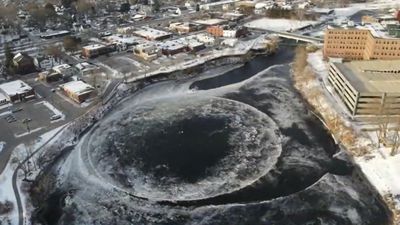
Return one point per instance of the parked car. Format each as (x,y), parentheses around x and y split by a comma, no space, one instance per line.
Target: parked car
(55,117)
(10,118)
(14,110)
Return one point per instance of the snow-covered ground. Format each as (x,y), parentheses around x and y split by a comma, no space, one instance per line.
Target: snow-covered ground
(7,194)
(6,190)
(2,144)
(377,4)
(279,24)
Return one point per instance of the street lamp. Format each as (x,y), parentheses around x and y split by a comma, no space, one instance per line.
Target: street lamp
(26,122)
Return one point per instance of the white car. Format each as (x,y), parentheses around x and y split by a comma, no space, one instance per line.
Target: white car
(55,117)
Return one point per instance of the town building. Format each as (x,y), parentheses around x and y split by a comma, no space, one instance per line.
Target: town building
(205,38)
(78,91)
(63,71)
(152,34)
(211,22)
(147,51)
(24,63)
(49,76)
(86,68)
(3,99)
(216,31)
(359,44)
(233,16)
(173,47)
(184,28)
(225,31)
(16,91)
(220,5)
(94,50)
(368,87)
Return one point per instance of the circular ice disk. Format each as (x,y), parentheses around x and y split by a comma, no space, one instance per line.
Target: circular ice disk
(184,149)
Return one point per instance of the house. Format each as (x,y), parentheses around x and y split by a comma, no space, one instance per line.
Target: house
(147,51)
(86,68)
(16,91)
(24,63)
(49,76)
(78,91)
(65,70)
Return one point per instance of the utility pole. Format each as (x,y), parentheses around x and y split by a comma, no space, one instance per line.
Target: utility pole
(26,122)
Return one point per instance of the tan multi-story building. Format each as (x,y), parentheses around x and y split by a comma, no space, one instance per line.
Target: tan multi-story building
(359,44)
(368,87)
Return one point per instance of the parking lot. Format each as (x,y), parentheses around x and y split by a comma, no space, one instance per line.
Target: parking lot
(28,118)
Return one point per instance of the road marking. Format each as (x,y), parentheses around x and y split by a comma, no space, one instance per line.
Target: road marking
(27,133)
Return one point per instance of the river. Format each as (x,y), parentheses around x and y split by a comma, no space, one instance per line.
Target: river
(238,148)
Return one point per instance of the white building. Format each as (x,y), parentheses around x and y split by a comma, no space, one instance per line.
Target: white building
(17,91)
(65,70)
(152,34)
(78,91)
(147,51)
(205,38)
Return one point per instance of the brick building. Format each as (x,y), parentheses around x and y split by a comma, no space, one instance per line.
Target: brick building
(359,44)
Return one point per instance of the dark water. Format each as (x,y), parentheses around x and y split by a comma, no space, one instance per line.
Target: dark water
(291,193)
(183,149)
(256,65)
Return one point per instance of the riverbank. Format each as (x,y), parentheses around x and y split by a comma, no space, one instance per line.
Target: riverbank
(309,75)
(242,49)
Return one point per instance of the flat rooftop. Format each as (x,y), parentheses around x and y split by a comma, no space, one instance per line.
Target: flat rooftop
(15,87)
(381,76)
(151,33)
(94,47)
(210,22)
(77,87)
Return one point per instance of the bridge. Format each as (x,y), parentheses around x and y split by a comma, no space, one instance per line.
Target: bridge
(300,37)
(294,36)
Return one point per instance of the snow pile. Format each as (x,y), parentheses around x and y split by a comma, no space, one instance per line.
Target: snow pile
(7,194)
(2,144)
(279,24)
(382,172)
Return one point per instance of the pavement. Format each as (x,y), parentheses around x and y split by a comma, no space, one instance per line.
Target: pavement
(17,132)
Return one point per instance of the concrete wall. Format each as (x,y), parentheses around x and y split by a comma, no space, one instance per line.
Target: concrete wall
(363,103)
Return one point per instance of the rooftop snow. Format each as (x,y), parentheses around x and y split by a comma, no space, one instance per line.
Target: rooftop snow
(94,46)
(210,21)
(372,76)
(151,33)
(279,24)
(77,87)
(15,87)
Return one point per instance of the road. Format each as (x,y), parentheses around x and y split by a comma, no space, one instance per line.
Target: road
(67,108)
(15,176)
